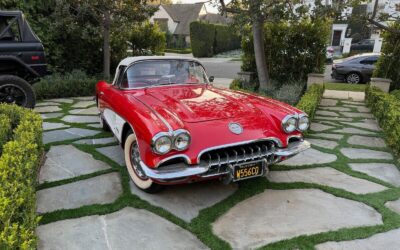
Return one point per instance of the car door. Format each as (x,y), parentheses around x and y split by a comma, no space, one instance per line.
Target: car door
(368,67)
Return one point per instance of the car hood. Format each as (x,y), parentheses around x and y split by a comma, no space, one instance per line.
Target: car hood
(201,103)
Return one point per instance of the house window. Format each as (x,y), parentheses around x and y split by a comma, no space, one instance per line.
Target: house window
(162,23)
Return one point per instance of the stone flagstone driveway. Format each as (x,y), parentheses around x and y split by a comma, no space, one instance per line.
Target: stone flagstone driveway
(343,193)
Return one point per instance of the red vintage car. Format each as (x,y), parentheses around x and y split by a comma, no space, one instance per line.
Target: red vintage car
(176,127)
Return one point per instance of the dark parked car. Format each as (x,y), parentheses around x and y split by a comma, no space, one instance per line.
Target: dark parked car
(355,69)
(366,45)
(22,60)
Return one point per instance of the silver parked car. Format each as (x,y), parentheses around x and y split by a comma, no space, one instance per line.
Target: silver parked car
(355,69)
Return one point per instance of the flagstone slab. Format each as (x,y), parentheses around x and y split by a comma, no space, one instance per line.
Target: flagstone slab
(357,153)
(44,104)
(330,118)
(102,189)
(67,134)
(328,102)
(129,228)
(318,127)
(357,115)
(382,241)
(323,143)
(328,136)
(328,177)
(326,113)
(369,141)
(84,98)
(363,109)
(354,131)
(47,109)
(354,103)
(52,125)
(61,100)
(185,201)
(95,125)
(384,171)
(80,119)
(51,115)
(276,215)
(88,111)
(367,124)
(115,153)
(336,108)
(66,161)
(309,157)
(97,141)
(83,104)
(394,205)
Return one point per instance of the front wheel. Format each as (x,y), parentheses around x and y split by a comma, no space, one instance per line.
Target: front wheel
(15,90)
(353,78)
(132,160)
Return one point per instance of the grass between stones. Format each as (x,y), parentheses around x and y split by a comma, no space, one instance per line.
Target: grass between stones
(201,226)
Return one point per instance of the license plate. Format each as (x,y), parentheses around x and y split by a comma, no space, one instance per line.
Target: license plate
(249,170)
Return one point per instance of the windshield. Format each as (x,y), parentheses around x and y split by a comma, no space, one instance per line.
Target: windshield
(163,72)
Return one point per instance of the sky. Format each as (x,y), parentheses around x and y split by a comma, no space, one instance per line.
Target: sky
(210,8)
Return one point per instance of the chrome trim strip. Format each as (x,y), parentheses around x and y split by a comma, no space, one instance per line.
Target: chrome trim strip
(185,157)
(294,136)
(274,139)
(293,149)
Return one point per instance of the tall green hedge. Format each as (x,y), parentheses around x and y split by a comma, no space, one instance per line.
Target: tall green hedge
(210,39)
(386,109)
(389,61)
(19,162)
(310,100)
(293,49)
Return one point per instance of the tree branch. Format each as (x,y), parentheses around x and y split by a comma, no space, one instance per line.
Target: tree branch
(384,27)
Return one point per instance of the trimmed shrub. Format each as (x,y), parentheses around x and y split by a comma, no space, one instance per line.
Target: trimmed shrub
(396,93)
(310,100)
(386,109)
(210,39)
(202,37)
(76,83)
(18,167)
(147,37)
(5,130)
(389,61)
(293,49)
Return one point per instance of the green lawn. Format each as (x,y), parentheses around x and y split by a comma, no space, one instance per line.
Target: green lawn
(346,87)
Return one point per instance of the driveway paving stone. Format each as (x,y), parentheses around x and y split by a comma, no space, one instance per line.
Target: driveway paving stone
(97,141)
(51,115)
(275,215)
(353,103)
(62,100)
(326,113)
(186,201)
(323,143)
(384,171)
(44,104)
(67,134)
(52,125)
(115,153)
(80,119)
(394,205)
(331,118)
(356,153)
(328,102)
(126,229)
(66,161)
(335,108)
(354,131)
(83,104)
(328,177)
(102,189)
(47,109)
(309,157)
(382,241)
(367,124)
(328,136)
(88,111)
(367,141)
(357,115)
(318,127)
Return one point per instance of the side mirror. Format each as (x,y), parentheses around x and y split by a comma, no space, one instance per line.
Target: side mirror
(211,79)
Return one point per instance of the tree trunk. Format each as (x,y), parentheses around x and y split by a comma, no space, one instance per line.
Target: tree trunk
(106,45)
(259,53)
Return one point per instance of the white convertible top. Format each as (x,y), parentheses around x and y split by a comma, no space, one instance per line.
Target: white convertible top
(129,60)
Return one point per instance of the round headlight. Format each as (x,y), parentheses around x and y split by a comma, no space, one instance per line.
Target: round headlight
(162,145)
(304,123)
(182,141)
(290,125)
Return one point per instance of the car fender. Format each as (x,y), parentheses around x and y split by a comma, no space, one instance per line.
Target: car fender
(20,63)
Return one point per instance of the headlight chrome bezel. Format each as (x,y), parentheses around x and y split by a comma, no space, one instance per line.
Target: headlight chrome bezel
(172,137)
(296,118)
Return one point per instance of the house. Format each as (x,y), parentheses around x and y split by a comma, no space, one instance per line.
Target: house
(176,18)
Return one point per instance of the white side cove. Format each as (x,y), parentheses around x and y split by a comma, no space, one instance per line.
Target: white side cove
(115,122)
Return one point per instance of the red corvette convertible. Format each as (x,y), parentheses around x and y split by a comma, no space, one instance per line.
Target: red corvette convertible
(175,127)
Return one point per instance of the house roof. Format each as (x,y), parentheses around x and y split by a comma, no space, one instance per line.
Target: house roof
(183,14)
(216,19)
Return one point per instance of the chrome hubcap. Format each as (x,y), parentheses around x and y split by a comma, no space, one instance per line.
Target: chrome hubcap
(135,162)
(353,78)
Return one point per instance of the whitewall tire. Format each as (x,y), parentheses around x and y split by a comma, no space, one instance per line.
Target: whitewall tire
(132,159)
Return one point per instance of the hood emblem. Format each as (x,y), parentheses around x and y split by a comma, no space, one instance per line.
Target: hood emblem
(235,128)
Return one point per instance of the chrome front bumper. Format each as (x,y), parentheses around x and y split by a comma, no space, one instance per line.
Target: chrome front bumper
(181,171)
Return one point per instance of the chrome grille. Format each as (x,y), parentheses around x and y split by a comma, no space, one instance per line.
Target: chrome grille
(218,160)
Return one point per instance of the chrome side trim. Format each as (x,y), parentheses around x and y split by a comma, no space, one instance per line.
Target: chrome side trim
(274,139)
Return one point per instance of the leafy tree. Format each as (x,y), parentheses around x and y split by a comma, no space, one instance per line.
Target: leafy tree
(147,36)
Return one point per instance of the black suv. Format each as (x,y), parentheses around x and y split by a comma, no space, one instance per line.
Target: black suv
(22,59)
